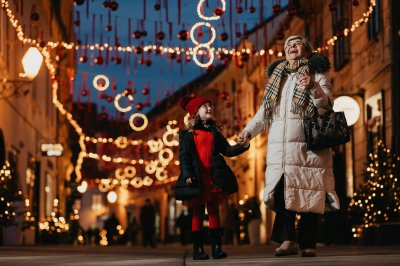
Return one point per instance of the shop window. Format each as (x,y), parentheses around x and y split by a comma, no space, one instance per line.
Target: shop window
(341,21)
(375,22)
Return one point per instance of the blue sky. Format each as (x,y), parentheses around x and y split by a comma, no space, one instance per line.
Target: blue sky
(161,76)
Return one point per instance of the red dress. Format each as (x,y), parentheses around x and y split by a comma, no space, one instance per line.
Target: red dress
(204,141)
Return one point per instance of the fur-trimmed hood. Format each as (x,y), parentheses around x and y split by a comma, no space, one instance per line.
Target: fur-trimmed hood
(318,64)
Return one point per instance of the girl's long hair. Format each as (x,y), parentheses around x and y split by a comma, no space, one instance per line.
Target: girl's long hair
(193,121)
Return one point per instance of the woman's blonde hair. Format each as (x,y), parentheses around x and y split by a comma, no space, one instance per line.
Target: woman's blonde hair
(308,48)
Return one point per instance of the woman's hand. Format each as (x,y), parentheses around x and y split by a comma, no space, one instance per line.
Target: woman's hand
(244,138)
(305,82)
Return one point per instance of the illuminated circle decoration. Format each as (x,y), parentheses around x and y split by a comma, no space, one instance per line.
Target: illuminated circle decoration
(118,174)
(201,2)
(151,167)
(130,171)
(200,64)
(350,108)
(147,181)
(199,24)
(155,145)
(123,109)
(96,82)
(142,127)
(137,182)
(165,160)
(121,142)
(161,174)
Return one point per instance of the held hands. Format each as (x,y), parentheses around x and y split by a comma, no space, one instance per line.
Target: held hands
(244,138)
(305,82)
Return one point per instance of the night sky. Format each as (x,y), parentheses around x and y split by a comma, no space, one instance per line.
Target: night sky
(163,76)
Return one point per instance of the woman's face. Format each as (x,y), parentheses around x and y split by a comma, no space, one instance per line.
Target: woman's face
(206,111)
(295,49)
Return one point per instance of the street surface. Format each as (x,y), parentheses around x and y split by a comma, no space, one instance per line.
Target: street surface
(173,254)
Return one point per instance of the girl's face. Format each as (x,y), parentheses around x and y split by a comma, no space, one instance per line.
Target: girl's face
(206,111)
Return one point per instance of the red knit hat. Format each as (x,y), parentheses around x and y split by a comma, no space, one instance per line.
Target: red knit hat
(192,105)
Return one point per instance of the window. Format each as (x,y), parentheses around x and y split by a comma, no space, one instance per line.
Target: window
(340,21)
(374,22)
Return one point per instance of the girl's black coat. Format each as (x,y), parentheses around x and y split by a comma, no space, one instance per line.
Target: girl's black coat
(224,178)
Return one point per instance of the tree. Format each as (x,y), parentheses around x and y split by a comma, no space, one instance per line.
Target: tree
(9,194)
(378,200)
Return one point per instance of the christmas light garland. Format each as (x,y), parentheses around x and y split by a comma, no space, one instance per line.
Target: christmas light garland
(123,142)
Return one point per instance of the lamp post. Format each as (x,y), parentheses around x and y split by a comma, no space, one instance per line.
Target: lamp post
(31,63)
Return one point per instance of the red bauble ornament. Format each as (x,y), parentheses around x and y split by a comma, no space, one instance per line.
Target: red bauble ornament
(113,5)
(178,59)
(292,11)
(224,36)
(144,33)
(276,9)
(99,60)
(238,34)
(355,2)
(157,7)
(252,9)
(188,58)
(129,91)
(218,11)
(139,107)
(145,91)
(280,36)
(84,92)
(79,2)
(106,4)
(172,55)
(109,99)
(117,60)
(137,34)
(239,10)
(224,62)
(148,62)
(160,35)
(244,57)
(183,35)
(103,116)
(333,6)
(108,28)
(140,62)
(83,59)
(138,50)
(35,16)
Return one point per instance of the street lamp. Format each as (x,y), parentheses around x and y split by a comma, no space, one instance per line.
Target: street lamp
(31,63)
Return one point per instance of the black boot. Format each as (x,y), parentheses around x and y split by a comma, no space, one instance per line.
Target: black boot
(198,246)
(215,239)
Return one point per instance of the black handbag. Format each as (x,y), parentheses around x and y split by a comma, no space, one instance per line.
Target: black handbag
(326,131)
(185,191)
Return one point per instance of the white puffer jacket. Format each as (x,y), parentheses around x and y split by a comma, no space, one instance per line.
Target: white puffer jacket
(309,180)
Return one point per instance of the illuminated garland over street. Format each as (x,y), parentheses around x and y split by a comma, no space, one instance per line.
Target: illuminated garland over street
(121,141)
(178,50)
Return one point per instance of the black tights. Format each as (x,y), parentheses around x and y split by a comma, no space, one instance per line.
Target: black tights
(284,224)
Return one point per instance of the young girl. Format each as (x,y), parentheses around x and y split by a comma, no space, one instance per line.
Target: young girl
(201,163)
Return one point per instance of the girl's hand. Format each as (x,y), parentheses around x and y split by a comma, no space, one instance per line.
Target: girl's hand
(189,180)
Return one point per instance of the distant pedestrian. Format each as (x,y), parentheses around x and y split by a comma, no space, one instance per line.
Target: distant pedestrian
(201,147)
(110,225)
(147,222)
(133,228)
(184,223)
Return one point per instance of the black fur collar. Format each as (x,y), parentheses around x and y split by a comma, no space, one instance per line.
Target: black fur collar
(318,64)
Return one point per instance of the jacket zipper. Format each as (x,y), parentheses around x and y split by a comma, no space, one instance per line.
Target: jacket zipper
(284,127)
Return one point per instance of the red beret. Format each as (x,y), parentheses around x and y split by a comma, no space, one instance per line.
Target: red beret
(192,105)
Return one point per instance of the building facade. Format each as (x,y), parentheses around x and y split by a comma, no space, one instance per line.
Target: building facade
(28,117)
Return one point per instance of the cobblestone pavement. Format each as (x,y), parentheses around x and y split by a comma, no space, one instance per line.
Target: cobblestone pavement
(174,254)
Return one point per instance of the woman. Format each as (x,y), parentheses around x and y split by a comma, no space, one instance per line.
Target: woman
(297,180)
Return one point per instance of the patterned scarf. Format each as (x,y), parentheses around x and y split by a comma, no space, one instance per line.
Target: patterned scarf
(302,103)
